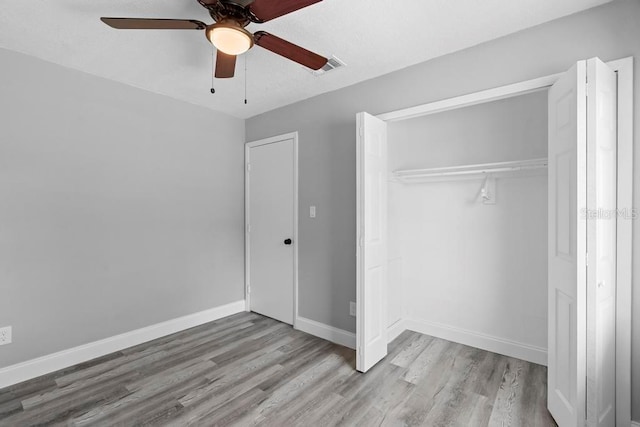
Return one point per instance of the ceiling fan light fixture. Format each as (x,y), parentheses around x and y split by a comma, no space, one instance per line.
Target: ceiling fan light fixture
(230,38)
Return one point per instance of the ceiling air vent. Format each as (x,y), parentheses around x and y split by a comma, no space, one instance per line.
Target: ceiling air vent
(333,64)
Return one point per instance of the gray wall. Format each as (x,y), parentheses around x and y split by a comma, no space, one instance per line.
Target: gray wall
(118,208)
(327,139)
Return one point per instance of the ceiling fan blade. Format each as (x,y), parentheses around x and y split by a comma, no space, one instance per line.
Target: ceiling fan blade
(290,50)
(225,65)
(154,24)
(266,10)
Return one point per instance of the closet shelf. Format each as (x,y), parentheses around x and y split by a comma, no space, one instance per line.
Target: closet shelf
(467,171)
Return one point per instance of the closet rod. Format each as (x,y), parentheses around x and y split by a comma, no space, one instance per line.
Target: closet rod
(486,168)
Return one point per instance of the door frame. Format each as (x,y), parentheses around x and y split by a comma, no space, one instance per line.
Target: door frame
(247,217)
(624,69)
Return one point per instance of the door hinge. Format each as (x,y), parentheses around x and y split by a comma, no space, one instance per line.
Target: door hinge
(361,241)
(586,85)
(248,289)
(248,167)
(361,130)
(248,228)
(587,260)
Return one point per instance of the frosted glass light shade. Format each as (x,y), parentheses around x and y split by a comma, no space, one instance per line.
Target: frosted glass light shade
(230,39)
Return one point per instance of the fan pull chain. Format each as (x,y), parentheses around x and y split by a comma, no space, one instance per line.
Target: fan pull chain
(212,69)
(246,56)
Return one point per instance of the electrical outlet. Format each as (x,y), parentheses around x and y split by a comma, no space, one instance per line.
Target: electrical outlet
(352,308)
(5,335)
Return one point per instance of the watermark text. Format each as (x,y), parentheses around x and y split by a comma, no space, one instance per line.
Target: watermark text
(625,213)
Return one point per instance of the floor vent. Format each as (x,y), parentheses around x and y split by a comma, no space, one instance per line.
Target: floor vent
(333,64)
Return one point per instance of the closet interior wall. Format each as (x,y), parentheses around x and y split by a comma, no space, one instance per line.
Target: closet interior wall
(457,265)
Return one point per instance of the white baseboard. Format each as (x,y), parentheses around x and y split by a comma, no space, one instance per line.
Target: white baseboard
(635,424)
(329,333)
(479,340)
(395,330)
(20,372)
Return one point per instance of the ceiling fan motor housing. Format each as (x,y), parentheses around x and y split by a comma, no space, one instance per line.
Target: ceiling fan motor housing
(236,10)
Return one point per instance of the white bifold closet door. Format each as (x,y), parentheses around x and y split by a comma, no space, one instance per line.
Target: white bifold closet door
(371,316)
(582,245)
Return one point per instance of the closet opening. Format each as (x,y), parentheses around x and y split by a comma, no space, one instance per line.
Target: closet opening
(467,225)
(474,215)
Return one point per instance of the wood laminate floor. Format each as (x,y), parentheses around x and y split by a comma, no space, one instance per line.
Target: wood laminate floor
(249,370)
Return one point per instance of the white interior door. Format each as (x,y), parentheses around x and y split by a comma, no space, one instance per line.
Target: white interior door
(270,228)
(580,168)
(371,324)
(601,243)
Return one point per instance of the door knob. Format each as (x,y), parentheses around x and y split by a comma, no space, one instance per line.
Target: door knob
(288,242)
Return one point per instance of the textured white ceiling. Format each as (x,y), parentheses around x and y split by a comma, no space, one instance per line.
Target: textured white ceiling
(373,37)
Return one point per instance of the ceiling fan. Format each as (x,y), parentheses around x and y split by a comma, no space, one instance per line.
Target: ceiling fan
(229,35)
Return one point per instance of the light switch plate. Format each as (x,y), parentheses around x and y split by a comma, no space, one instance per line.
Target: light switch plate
(5,335)
(312,212)
(352,308)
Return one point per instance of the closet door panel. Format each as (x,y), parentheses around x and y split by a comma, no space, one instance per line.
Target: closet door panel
(567,247)
(371,316)
(601,243)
